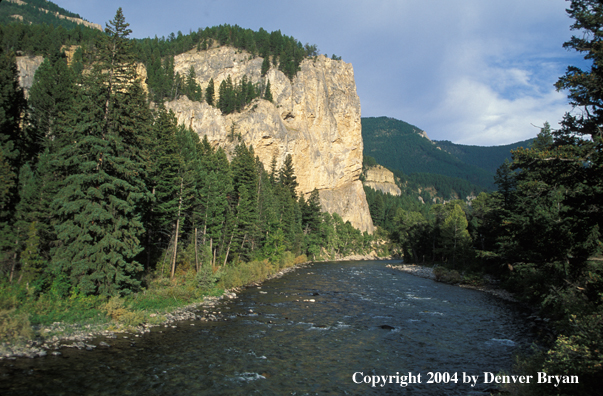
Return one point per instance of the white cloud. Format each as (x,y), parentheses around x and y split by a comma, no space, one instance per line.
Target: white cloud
(471,71)
(479,115)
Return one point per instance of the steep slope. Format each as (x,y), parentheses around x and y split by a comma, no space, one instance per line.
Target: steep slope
(405,147)
(315,117)
(41,12)
(487,158)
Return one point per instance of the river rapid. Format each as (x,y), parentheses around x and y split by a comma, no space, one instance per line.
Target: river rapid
(317,330)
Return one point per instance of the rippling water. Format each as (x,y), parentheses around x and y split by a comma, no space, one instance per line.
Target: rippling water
(365,318)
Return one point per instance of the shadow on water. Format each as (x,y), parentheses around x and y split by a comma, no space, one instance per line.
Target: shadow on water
(308,332)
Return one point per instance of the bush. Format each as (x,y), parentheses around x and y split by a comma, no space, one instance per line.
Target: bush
(473,280)
(14,326)
(446,276)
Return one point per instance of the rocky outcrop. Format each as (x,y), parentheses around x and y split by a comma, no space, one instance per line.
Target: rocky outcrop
(315,118)
(382,179)
(27,66)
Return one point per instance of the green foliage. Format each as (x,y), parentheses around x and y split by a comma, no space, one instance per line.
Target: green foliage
(486,158)
(234,97)
(43,39)
(98,225)
(398,145)
(268,93)
(157,54)
(32,12)
(209,92)
(14,326)
(442,274)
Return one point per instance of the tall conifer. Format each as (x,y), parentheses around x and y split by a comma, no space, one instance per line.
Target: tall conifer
(105,161)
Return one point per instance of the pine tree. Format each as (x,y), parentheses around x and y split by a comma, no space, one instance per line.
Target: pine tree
(310,210)
(104,162)
(245,199)
(209,92)
(192,88)
(50,94)
(287,176)
(268,93)
(13,151)
(265,65)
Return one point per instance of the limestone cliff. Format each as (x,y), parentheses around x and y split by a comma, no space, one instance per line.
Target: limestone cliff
(382,179)
(315,118)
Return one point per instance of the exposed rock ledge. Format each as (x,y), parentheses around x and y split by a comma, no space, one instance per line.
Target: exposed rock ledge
(315,118)
(381,179)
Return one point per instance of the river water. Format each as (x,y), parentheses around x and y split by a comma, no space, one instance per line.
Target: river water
(364,320)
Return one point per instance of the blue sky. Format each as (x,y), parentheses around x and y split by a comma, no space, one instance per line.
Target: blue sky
(477,72)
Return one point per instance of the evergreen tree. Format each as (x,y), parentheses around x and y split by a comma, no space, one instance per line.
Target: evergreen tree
(50,94)
(455,237)
(310,211)
(245,199)
(209,92)
(13,151)
(104,160)
(192,88)
(268,93)
(287,176)
(265,65)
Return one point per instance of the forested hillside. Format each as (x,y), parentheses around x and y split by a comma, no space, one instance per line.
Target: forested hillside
(38,12)
(487,158)
(398,145)
(102,195)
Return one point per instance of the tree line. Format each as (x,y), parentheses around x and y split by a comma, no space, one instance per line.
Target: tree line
(98,190)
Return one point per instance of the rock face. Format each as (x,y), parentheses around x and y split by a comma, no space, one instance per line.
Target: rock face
(382,179)
(27,66)
(315,118)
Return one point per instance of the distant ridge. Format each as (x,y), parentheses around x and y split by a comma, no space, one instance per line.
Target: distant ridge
(41,11)
(401,146)
(488,158)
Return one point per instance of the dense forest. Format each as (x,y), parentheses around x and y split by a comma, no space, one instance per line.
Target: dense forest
(431,187)
(398,145)
(487,158)
(103,197)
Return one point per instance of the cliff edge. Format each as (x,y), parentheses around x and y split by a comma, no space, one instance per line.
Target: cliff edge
(315,118)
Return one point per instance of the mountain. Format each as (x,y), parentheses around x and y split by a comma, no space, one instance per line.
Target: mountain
(39,12)
(401,146)
(487,158)
(313,115)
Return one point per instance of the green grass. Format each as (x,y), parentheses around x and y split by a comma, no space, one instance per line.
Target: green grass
(20,308)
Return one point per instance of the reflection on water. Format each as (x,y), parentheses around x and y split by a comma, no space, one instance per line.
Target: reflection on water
(305,333)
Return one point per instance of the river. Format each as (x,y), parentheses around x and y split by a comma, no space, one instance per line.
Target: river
(322,329)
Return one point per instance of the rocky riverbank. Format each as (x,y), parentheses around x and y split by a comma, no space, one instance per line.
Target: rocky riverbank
(51,338)
(427,272)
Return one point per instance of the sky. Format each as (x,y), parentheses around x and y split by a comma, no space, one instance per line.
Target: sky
(476,72)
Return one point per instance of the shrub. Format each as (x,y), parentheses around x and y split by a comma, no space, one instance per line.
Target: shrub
(14,326)
(446,276)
